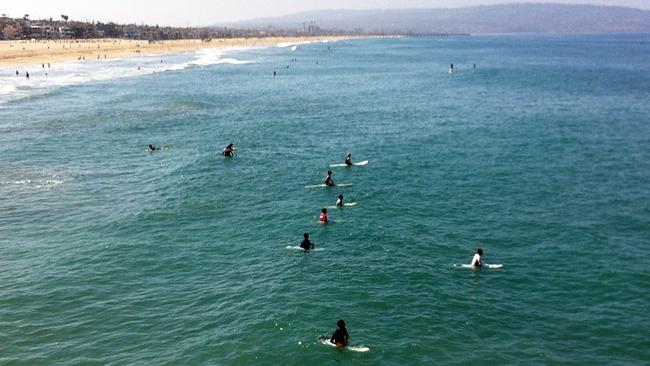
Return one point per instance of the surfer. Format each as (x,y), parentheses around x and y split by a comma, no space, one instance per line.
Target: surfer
(451,68)
(306,244)
(340,335)
(328,179)
(229,151)
(323,216)
(152,147)
(339,202)
(476,261)
(348,160)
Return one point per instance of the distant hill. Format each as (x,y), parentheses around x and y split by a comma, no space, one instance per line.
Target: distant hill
(507,18)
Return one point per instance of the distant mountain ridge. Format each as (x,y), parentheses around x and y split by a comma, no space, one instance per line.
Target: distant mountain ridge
(506,18)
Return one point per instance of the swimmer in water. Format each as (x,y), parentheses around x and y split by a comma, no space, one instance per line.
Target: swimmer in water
(229,151)
(323,216)
(476,261)
(306,244)
(348,160)
(339,202)
(152,147)
(328,179)
(340,335)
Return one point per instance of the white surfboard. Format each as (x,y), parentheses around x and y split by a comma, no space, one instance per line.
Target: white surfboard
(361,163)
(352,348)
(490,266)
(297,247)
(323,185)
(163,148)
(345,204)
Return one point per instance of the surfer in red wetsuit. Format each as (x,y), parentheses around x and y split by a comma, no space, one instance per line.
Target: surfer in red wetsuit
(323,216)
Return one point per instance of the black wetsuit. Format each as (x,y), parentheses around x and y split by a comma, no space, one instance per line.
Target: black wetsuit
(306,244)
(348,161)
(340,336)
(329,182)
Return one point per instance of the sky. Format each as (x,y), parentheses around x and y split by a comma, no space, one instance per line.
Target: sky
(209,12)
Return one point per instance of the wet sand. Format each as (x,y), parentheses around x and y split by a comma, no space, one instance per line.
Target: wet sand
(19,53)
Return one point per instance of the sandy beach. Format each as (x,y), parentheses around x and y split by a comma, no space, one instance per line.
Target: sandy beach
(24,52)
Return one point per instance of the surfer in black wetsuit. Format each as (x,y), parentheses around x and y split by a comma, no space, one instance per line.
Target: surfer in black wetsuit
(152,147)
(229,151)
(348,160)
(306,244)
(340,336)
(328,179)
(339,202)
(476,260)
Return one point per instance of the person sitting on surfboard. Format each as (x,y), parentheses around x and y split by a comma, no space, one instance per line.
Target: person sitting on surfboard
(340,335)
(476,261)
(306,244)
(328,179)
(323,216)
(229,151)
(348,160)
(339,202)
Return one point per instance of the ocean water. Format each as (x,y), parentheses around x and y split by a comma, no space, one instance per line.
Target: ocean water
(541,156)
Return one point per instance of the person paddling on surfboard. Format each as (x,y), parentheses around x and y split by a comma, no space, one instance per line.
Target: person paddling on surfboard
(476,261)
(340,335)
(348,160)
(229,151)
(339,202)
(323,216)
(152,147)
(306,244)
(328,179)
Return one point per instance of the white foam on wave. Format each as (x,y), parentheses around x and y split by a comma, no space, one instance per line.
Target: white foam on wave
(68,73)
(39,183)
(293,45)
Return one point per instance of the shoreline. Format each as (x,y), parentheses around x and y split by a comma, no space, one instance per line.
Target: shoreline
(19,54)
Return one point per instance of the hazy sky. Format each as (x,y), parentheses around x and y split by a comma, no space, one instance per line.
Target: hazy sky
(207,12)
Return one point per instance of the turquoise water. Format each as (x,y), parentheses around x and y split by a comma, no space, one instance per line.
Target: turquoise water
(541,156)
